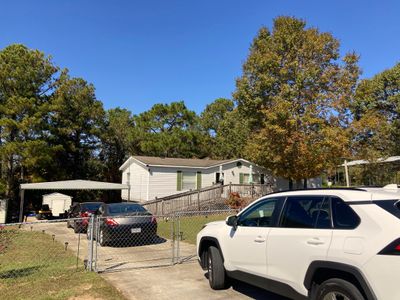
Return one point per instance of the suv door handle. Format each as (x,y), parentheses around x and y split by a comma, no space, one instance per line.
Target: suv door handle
(259,239)
(315,241)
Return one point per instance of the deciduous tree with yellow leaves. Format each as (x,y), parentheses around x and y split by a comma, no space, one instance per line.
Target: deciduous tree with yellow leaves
(295,91)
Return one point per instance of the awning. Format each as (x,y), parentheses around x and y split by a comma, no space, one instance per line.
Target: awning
(74,185)
(366,162)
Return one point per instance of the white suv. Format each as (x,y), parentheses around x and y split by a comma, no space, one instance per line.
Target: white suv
(310,244)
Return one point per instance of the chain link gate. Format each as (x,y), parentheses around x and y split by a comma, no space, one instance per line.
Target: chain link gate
(131,242)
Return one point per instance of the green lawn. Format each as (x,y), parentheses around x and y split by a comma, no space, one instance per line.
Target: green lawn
(33,266)
(189,226)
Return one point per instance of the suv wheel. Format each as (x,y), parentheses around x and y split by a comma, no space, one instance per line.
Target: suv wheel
(337,289)
(216,270)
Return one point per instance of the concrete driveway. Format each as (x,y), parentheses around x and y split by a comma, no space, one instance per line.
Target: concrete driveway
(183,281)
(138,271)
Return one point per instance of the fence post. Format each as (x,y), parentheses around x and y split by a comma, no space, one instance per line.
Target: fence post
(178,238)
(252,190)
(91,228)
(198,200)
(230,188)
(172,232)
(162,207)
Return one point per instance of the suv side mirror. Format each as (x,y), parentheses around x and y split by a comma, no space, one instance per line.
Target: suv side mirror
(232,221)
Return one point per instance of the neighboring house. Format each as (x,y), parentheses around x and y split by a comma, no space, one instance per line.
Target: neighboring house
(151,177)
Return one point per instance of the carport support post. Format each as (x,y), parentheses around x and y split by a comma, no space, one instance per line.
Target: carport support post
(346,171)
(21,205)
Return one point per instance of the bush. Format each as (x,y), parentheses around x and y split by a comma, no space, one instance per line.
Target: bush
(235,201)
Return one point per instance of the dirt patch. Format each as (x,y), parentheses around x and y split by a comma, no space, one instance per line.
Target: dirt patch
(85,297)
(85,287)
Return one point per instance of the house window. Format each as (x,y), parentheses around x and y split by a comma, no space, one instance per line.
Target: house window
(244,178)
(189,180)
(256,178)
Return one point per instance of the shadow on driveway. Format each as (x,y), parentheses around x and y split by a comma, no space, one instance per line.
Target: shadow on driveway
(255,292)
(252,291)
(132,243)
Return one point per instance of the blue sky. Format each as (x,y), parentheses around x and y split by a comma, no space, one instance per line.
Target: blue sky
(138,53)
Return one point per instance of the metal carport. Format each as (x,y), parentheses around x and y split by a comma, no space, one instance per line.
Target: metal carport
(66,185)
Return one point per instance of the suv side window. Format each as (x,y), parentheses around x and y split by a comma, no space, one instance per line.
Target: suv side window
(343,216)
(306,212)
(263,214)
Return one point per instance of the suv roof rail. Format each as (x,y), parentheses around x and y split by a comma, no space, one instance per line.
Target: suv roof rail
(322,189)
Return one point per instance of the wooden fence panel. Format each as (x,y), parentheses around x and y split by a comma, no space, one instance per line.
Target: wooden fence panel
(206,198)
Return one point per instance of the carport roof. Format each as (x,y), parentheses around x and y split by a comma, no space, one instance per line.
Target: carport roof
(73,185)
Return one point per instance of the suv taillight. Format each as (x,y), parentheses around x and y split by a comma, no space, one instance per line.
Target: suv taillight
(111,222)
(84,214)
(153,220)
(392,249)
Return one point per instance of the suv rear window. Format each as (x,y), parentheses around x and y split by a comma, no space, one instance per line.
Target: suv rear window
(391,206)
(306,212)
(344,216)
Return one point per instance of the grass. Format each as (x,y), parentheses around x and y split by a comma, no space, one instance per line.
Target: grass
(189,226)
(33,266)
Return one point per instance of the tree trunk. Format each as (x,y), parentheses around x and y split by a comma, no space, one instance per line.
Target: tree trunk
(10,178)
(305,183)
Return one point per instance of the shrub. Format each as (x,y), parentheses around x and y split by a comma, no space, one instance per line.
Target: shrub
(235,201)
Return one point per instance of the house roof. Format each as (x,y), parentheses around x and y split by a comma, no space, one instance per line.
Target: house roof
(73,185)
(151,161)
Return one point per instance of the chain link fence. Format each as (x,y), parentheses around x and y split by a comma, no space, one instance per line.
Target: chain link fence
(102,244)
(188,225)
(40,246)
(126,242)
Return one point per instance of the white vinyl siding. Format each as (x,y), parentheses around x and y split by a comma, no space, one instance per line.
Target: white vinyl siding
(163,181)
(147,183)
(138,179)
